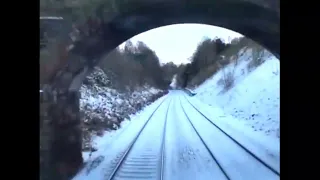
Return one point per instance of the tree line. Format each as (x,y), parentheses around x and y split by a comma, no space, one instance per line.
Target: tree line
(137,65)
(210,56)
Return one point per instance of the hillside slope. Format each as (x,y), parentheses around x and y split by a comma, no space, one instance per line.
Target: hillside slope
(254,98)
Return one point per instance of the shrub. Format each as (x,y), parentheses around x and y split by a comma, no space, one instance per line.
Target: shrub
(257,57)
(227,81)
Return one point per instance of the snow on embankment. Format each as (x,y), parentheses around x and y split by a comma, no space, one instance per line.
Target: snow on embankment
(254,98)
(103,108)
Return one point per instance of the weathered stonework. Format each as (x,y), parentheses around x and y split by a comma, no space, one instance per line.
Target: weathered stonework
(258,21)
(61,145)
(66,142)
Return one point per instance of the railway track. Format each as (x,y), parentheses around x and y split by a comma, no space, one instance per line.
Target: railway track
(144,159)
(195,147)
(205,144)
(188,156)
(233,140)
(122,130)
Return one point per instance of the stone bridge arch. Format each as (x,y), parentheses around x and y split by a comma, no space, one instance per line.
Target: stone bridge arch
(256,19)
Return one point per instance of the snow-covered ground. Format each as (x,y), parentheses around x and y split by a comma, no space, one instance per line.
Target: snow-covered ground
(188,154)
(233,159)
(104,108)
(255,97)
(110,144)
(267,148)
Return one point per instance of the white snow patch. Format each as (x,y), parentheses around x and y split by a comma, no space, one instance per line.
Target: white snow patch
(265,147)
(109,145)
(255,98)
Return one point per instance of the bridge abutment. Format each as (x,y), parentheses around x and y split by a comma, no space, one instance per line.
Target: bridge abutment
(62,156)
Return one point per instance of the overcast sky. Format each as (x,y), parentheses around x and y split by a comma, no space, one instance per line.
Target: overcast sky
(177,43)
